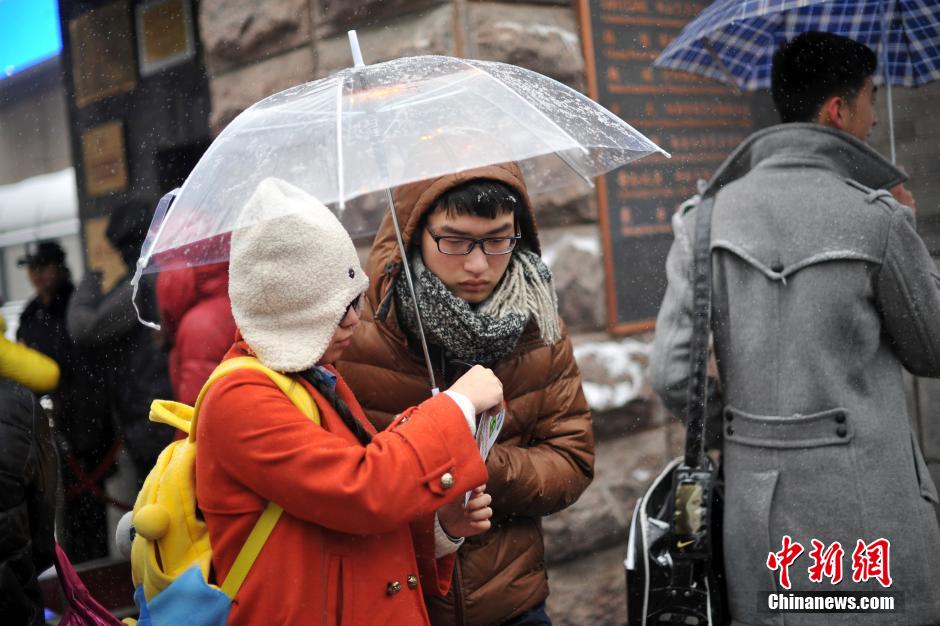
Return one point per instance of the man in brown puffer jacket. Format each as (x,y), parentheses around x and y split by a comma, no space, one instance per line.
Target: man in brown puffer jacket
(486,297)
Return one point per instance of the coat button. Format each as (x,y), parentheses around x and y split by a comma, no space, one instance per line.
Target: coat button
(730,430)
(412,581)
(447,480)
(777,267)
(393,588)
(841,431)
(840,418)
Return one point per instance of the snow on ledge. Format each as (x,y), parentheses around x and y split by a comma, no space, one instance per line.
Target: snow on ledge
(617,357)
(585,243)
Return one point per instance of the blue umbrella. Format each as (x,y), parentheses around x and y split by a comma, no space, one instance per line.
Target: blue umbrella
(733,41)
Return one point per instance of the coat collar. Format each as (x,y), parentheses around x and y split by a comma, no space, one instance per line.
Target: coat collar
(807,145)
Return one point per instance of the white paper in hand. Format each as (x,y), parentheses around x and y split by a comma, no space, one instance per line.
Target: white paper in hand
(488,426)
(489,423)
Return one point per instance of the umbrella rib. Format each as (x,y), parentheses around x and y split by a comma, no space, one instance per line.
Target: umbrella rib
(707,44)
(422,99)
(427,96)
(565,159)
(533,107)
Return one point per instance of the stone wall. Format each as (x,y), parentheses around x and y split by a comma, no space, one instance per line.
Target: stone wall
(253,49)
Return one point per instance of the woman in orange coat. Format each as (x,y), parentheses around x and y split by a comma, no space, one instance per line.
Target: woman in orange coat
(370,520)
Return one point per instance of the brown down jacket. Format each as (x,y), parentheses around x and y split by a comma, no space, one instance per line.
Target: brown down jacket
(544,458)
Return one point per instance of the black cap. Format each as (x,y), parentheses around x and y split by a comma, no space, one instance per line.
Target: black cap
(42,253)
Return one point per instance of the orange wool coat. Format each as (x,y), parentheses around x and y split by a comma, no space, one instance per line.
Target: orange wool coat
(356,518)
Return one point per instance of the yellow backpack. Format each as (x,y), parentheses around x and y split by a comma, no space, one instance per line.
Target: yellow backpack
(170,538)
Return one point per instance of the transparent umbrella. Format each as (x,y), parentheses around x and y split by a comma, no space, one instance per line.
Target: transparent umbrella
(368,129)
(351,137)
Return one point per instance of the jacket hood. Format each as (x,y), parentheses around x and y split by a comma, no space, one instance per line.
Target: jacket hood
(414,200)
(802,145)
(178,291)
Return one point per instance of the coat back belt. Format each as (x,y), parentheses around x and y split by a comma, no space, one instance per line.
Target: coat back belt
(832,427)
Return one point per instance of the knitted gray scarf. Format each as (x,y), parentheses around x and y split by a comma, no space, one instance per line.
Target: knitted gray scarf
(487,332)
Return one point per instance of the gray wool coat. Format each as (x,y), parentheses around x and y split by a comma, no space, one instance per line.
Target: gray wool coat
(822,293)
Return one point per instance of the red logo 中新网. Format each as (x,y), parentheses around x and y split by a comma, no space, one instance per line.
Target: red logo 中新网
(870,561)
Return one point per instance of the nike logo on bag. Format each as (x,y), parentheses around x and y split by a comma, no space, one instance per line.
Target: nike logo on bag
(682,544)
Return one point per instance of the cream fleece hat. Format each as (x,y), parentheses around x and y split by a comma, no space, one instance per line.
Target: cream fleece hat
(293,270)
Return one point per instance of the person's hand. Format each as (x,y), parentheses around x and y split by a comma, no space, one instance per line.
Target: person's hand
(474,519)
(903,195)
(481,387)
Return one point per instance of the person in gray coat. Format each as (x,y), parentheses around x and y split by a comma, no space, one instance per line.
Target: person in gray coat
(105,329)
(822,294)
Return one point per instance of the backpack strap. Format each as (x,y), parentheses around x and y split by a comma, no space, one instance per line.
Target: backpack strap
(183,417)
(250,551)
(272,513)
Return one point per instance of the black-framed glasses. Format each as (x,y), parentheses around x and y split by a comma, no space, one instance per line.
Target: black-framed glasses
(355,305)
(462,246)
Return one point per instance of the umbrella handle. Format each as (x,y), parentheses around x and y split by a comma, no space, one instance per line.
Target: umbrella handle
(411,288)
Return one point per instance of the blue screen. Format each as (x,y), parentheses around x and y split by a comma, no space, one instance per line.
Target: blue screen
(29,34)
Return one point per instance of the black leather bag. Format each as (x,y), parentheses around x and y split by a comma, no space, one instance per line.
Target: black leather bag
(674,565)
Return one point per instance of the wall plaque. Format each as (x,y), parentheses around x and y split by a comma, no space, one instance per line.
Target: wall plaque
(102,53)
(104,159)
(697,120)
(164,35)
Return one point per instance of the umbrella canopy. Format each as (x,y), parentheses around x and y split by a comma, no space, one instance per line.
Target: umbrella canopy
(367,129)
(733,41)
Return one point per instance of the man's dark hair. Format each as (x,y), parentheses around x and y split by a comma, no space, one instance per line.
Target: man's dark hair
(487,198)
(482,198)
(812,68)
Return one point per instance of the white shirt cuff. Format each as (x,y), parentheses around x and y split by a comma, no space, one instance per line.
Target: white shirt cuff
(444,544)
(467,407)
